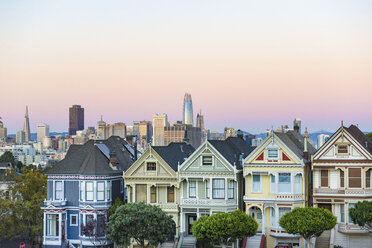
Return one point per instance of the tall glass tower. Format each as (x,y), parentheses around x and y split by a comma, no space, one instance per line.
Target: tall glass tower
(187,110)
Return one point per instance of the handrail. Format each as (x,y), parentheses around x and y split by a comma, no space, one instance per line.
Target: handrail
(180,240)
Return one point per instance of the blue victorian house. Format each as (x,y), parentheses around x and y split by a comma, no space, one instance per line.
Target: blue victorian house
(81,188)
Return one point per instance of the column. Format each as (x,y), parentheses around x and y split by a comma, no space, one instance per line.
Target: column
(182,217)
(60,226)
(263,220)
(148,193)
(45,223)
(210,188)
(134,192)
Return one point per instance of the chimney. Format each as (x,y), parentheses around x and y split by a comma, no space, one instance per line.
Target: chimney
(306,136)
(113,160)
(135,147)
(366,144)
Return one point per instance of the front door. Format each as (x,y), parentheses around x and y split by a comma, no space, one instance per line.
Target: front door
(191,219)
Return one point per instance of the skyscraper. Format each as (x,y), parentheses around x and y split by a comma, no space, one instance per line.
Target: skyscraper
(297,125)
(26,127)
(3,131)
(76,116)
(158,124)
(200,120)
(42,131)
(187,110)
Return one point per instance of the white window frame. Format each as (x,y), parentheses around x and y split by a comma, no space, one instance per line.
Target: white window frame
(81,192)
(290,183)
(260,188)
(77,219)
(108,190)
(214,195)
(290,209)
(102,191)
(342,213)
(297,185)
(189,189)
(269,156)
(55,191)
(230,190)
(207,189)
(272,184)
(86,191)
(205,156)
(47,224)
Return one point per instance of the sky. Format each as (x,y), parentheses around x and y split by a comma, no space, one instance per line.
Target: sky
(247,64)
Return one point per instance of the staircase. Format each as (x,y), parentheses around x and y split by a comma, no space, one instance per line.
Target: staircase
(254,241)
(188,242)
(323,240)
(168,244)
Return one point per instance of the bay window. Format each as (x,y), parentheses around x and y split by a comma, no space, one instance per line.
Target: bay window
(153,194)
(324,178)
(100,191)
(58,191)
(284,183)
(192,189)
(355,178)
(52,225)
(272,184)
(81,191)
(170,194)
(108,190)
(230,190)
(89,191)
(207,189)
(297,185)
(256,183)
(218,188)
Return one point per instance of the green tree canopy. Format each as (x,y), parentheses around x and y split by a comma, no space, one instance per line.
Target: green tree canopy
(20,205)
(369,135)
(8,157)
(362,213)
(147,224)
(308,222)
(118,202)
(223,228)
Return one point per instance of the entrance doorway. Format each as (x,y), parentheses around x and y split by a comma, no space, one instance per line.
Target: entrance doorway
(190,220)
(326,206)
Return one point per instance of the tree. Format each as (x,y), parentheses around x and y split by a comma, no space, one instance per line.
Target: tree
(118,202)
(223,228)
(308,222)
(20,211)
(369,135)
(8,157)
(144,223)
(362,214)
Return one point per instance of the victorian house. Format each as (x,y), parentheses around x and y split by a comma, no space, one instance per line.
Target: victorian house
(81,188)
(277,179)
(211,180)
(342,177)
(153,178)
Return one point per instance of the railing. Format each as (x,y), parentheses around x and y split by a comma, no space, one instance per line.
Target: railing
(344,191)
(171,206)
(218,202)
(180,240)
(56,203)
(352,228)
(289,196)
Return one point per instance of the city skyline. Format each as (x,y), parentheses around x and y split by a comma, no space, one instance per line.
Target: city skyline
(246,64)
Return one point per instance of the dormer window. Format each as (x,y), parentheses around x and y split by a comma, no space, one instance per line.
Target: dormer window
(151,166)
(207,160)
(342,149)
(272,153)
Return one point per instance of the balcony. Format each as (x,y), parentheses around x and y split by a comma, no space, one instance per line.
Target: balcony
(169,206)
(290,197)
(345,192)
(352,228)
(208,202)
(55,203)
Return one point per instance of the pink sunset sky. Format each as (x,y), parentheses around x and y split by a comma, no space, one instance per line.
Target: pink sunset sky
(247,64)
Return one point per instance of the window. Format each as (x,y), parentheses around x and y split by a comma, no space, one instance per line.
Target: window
(170,197)
(230,190)
(207,160)
(342,149)
(153,194)
(58,192)
(192,189)
(342,178)
(89,218)
(256,186)
(324,178)
(207,189)
(101,225)
(89,191)
(151,166)
(52,225)
(368,178)
(297,186)
(342,212)
(283,211)
(218,188)
(272,153)
(284,183)
(272,220)
(108,190)
(81,191)
(141,193)
(355,178)
(100,191)
(351,205)
(272,184)
(73,220)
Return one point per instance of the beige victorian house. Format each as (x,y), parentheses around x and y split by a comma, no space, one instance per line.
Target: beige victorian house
(153,178)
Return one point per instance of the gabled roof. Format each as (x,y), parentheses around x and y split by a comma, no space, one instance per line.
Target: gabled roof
(233,149)
(295,142)
(93,158)
(174,153)
(360,137)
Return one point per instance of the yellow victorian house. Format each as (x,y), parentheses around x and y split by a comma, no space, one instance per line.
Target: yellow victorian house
(277,179)
(153,178)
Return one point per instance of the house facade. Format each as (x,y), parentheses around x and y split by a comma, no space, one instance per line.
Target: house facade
(153,178)
(81,188)
(211,180)
(342,177)
(276,177)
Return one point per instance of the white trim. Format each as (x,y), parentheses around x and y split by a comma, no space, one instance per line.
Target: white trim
(77,219)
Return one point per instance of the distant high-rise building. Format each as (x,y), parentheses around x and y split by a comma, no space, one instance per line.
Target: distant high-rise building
(145,132)
(187,110)
(322,138)
(105,131)
(297,125)
(76,116)
(214,135)
(26,127)
(158,124)
(229,132)
(118,129)
(136,128)
(200,120)
(3,131)
(42,131)
(183,133)
(20,137)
